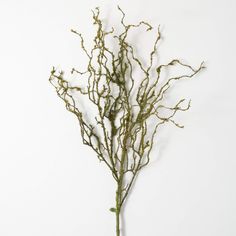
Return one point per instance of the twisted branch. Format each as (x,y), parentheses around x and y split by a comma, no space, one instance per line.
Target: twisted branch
(121,139)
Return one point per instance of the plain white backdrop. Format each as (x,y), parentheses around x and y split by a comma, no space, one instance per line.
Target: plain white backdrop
(52,185)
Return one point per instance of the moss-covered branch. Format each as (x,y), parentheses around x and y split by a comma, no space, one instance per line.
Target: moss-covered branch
(119,133)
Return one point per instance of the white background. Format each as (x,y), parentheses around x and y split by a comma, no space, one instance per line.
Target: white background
(52,185)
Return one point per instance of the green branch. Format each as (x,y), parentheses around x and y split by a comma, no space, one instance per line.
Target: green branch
(119,134)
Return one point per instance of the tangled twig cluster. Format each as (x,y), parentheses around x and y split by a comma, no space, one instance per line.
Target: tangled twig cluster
(120,134)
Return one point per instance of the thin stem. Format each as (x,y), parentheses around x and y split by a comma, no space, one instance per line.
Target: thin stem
(117,223)
(118,208)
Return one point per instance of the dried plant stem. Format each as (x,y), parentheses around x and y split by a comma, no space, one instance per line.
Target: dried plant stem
(118,208)
(129,110)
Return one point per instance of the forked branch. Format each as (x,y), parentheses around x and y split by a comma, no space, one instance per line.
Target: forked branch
(125,105)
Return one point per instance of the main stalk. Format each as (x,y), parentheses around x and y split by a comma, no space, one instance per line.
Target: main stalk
(118,206)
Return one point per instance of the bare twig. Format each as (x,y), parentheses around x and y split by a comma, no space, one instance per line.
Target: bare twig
(121,138)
